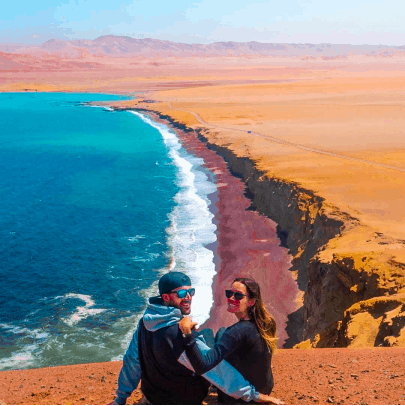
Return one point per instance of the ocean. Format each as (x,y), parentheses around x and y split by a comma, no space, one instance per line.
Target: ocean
(95,206)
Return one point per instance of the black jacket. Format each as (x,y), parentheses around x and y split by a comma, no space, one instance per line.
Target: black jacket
(164,380)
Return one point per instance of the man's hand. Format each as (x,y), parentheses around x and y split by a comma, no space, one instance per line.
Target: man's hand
(270,400)
(186,325)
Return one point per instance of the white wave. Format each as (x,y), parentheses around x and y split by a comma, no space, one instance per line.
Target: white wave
(191,224)
(19,359)
(135,238)
(24,357)
(34,333)
(81,311)
(100,107)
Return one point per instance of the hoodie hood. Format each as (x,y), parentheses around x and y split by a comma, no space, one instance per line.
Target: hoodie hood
(158,316)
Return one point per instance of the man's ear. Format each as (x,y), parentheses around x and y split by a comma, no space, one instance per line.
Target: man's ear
(166,297)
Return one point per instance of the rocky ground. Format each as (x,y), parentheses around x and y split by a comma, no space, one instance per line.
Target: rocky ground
(302,377)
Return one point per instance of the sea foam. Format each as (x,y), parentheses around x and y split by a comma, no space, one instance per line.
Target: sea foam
(81,311)
(191,224)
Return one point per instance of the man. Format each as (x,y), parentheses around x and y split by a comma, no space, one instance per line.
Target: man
(156,356)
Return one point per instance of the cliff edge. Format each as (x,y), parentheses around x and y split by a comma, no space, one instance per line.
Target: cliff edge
(352,277)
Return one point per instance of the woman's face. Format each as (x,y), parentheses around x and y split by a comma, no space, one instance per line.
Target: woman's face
(239,307)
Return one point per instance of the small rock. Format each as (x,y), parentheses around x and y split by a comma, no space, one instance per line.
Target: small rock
(330,382)
(320,365)
(365,371)
(394,376)
(83,398)
(332,365)
(42,386)
(330,399)
(355,376)
(103,379)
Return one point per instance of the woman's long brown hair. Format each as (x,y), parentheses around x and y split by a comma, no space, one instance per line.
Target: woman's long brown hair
(259,314)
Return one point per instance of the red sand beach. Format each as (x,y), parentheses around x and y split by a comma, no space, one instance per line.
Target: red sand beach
(247,244)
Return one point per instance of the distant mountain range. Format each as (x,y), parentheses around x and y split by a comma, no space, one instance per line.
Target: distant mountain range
(117,46)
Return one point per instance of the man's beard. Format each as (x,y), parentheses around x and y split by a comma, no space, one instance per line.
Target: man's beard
(184,311)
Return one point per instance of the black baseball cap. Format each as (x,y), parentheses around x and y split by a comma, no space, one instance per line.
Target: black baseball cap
(173,280)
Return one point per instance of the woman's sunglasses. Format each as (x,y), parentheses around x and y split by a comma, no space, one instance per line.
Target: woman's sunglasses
(236,295)
(182,293)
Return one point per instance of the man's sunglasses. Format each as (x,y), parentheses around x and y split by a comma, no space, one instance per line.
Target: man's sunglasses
(236,295)
(182,293)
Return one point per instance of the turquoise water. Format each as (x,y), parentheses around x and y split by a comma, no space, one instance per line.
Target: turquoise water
(95,205)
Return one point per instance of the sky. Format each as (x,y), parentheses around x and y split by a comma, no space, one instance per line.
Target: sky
(353,22)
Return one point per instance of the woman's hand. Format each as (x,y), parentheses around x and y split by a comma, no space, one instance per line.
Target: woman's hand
(270,400)
(186,325)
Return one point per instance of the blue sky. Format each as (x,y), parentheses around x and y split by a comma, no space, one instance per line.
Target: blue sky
(205,21)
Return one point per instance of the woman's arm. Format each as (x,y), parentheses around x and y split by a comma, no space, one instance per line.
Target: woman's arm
(204,362)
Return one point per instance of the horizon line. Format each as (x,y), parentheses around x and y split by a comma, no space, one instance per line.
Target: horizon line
(194,43)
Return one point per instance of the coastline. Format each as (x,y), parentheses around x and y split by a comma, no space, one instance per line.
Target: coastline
(247,242)
(350,271)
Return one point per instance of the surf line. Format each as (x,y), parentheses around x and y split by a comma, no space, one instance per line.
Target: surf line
(192,226)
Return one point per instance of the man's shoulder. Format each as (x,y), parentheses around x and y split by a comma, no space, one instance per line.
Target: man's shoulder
(172,331)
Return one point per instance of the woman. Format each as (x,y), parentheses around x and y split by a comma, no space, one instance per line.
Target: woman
(247,345)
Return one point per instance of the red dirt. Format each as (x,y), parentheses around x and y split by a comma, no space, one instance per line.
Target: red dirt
(302,377)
